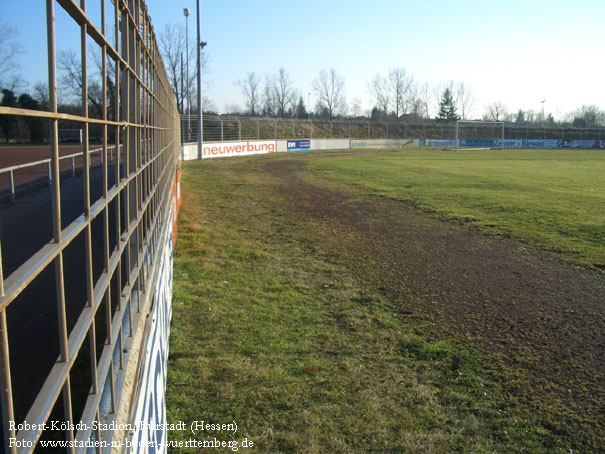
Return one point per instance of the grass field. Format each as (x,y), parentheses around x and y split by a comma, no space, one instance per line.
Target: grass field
(552,199)
(273,331)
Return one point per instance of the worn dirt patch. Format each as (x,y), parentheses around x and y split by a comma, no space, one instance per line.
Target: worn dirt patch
(542,321)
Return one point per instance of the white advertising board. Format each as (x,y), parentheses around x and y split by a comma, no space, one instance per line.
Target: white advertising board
(150,401)
(384,143)
(189,151)
(439,142)
(330,144)
(223,149)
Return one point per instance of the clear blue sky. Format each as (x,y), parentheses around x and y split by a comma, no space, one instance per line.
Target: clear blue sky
(517,51)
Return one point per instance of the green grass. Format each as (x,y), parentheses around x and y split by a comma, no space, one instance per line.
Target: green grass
(551,199)
(273,332)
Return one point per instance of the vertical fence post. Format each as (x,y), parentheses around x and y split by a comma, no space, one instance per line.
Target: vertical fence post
(257,130)
(11,179)
(239,129)
(6,389)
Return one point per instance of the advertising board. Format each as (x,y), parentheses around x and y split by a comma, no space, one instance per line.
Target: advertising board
(299,145)
(510,143)
(383,143)
(582,144)
(330,144)
(477,142)
(150,399)
(222,149)
(541,143)
(439,142)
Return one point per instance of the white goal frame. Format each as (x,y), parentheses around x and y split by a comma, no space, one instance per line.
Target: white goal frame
(478,122)
(77,135)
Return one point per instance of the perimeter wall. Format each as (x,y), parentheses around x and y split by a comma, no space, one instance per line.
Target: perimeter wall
(243,148)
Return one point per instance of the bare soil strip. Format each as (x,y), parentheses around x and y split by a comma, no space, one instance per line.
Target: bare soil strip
(541,320)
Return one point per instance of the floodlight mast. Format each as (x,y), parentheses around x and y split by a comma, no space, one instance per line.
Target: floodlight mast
(186,12)
(200,46)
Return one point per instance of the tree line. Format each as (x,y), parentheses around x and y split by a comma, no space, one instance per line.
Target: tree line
(70,94)
(397,95)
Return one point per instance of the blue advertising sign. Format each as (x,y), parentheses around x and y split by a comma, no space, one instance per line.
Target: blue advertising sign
(299,145)
(477,142)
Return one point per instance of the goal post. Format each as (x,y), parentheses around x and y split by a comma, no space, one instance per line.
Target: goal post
(70,136)
(482,134)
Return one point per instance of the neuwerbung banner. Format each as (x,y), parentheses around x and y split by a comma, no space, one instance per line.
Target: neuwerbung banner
(218,149)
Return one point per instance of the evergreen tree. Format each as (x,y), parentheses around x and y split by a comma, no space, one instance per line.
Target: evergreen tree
(8,122)
(447,107)
(36,126)
(301,112)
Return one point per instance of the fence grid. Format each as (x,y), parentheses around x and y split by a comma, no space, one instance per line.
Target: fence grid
(219,128)
(133,212)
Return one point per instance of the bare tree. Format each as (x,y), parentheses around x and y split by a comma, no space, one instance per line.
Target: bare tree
(329,87)
(379,88)
(41,94)
(400,84)
(250,87)
(416,102)
(70,80)
(436,92)
(464,100)
(208,104)
(172,45)
(356,108)
(496,111)
(9,49)
(590,116)
(268,100)
(424,96)
(233,109)
(283,95)
(173,48)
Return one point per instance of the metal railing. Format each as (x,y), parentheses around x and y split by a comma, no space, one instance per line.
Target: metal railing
(11,170)
(119,262)
(218,128)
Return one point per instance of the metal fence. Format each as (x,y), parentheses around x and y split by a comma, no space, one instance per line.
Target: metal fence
(74,164)
(111,248)
(225,128)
